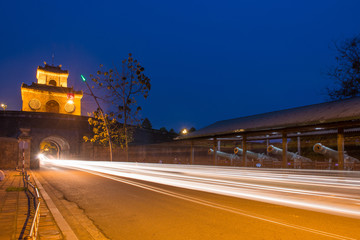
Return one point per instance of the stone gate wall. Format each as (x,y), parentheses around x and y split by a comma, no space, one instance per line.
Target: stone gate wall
(9,153)
(168,152)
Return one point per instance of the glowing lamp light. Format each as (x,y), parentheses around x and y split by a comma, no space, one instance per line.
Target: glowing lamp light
(184,131)
(70,97)
(83,78)
(4,106)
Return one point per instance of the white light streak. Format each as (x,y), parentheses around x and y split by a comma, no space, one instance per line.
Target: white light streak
(303,189)
(224,208)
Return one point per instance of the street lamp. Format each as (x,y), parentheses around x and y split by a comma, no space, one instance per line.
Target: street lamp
(4,106)
(184,131)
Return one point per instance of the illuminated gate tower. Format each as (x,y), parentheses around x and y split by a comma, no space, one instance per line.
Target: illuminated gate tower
(50,93)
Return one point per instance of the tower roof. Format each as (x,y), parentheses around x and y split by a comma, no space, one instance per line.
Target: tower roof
(53,69)
(43,87)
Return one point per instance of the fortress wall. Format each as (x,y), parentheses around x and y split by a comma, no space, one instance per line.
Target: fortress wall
(9,153)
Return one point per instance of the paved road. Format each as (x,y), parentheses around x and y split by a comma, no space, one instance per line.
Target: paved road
(153,201)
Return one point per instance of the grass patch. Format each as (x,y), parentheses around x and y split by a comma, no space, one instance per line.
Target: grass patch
(15,189)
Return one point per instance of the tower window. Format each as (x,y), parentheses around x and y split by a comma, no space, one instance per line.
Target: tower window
(52,82)
(52,106)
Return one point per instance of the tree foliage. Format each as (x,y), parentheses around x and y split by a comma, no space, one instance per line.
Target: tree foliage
(123,85)
(163,130)
(99,129)
(192,129)
(346,73)
(172,131)
(146,124)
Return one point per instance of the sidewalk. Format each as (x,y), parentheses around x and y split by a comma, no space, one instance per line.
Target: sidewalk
(14,207)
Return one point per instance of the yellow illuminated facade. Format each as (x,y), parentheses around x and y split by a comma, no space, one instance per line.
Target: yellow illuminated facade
(50,93)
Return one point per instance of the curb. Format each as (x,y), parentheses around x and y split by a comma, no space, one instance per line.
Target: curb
(59,219)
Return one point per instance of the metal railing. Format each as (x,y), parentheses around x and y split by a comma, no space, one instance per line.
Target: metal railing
(36,198)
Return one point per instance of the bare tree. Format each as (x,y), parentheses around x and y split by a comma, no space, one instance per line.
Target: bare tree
(123,86)
(346,73)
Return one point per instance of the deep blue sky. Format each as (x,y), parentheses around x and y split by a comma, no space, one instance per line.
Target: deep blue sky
(207,60)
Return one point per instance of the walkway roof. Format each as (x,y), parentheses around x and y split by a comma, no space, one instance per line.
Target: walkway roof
(325,114)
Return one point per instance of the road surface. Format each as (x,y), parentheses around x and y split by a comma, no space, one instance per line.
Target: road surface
(159,201)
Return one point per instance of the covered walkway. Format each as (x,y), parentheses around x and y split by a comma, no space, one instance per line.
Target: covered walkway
(315,124)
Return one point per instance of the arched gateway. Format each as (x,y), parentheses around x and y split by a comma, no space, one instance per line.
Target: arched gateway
(57,135)
(55,147)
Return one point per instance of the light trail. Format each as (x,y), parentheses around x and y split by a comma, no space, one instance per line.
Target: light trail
(222,207)
(337,195)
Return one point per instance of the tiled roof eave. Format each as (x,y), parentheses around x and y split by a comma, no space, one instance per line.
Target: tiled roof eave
(51,89)
(331,115)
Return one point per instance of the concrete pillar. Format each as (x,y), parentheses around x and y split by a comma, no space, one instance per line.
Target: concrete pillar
(215,155)
(244,147)
(340,143)
(192,160)
(298,144)
(26,160)
(284,153)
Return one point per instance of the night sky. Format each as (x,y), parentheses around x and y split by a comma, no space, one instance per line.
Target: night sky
(207,60)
